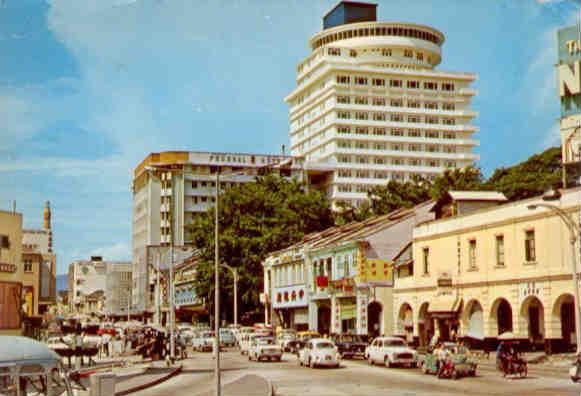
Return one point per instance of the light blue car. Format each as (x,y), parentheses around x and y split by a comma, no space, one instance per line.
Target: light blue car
(227,337)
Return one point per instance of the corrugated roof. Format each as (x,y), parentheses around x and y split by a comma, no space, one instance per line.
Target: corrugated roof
(477,196)
(353,231)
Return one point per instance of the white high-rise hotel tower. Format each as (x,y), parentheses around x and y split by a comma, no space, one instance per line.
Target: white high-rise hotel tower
(369,105)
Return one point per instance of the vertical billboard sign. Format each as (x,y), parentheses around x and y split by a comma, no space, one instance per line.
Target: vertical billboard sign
(569,83)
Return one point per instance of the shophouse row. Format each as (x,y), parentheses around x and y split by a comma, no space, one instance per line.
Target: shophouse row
(470,265)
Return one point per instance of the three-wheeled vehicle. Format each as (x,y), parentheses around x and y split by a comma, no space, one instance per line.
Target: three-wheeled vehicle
(30,367)
(457,366)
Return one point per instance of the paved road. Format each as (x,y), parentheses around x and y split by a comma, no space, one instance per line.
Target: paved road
(355,378)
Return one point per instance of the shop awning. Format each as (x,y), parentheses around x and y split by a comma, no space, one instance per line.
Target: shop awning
(444,303)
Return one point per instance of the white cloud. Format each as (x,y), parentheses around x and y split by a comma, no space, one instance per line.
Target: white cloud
(117,252)
(19,120)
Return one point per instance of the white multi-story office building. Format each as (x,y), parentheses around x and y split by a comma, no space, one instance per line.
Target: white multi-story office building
(169,190)
(100,287)
(371,106)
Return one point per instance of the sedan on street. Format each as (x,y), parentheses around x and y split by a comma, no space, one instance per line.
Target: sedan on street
(319,352)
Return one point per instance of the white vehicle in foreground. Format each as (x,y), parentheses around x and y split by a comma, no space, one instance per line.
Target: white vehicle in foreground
(391,351)
(319,352)
(264,348)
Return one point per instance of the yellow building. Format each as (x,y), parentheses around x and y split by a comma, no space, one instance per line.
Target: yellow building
(492,270)
(11,272)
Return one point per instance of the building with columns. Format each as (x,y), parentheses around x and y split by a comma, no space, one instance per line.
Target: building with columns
(340,280)
(497,268)
(370,104)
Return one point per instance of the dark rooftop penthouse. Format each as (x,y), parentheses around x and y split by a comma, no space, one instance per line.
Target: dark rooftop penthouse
(350,12)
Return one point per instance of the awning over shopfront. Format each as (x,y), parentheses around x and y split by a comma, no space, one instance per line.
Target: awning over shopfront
(445,304)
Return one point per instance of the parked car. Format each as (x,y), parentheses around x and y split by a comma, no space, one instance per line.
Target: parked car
(350,345)
(295,346)
(246,341)
(242,331)
(390,351)
(319,352)
(284,337)
(204,342)
(458,364)
(307,335)
(227,337)
(264,348)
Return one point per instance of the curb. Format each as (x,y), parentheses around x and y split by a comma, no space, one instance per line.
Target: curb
(88,371)
(137,388)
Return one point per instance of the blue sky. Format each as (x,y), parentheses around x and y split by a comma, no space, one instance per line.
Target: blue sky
(89,88)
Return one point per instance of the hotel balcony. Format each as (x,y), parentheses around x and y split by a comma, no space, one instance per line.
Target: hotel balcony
(467,91)
(406,139)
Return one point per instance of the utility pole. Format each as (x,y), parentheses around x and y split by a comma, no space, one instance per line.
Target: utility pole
(217,286)
(172,344)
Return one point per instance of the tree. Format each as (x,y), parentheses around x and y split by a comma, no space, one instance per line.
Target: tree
(529,178)
(394,195)
(255,219)
(464,179)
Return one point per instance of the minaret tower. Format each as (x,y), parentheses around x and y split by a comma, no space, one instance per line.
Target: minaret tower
(47,225)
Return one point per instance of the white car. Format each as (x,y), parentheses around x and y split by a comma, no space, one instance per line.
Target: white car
(319,352)
(246,341)
(243,331)
(204,342)
(264,348)
(391,351)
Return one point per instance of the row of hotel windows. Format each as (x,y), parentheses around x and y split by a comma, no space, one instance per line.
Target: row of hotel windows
(363,115)
(346,159)
(395,83)
(345,173)
(381,101)
(529,250)
(430,148)
(407,53)
(345,129)
(378,31)
(206,184)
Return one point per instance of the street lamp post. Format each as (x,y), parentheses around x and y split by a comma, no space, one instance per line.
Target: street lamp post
(217,285)
(573,237)
(234,272)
